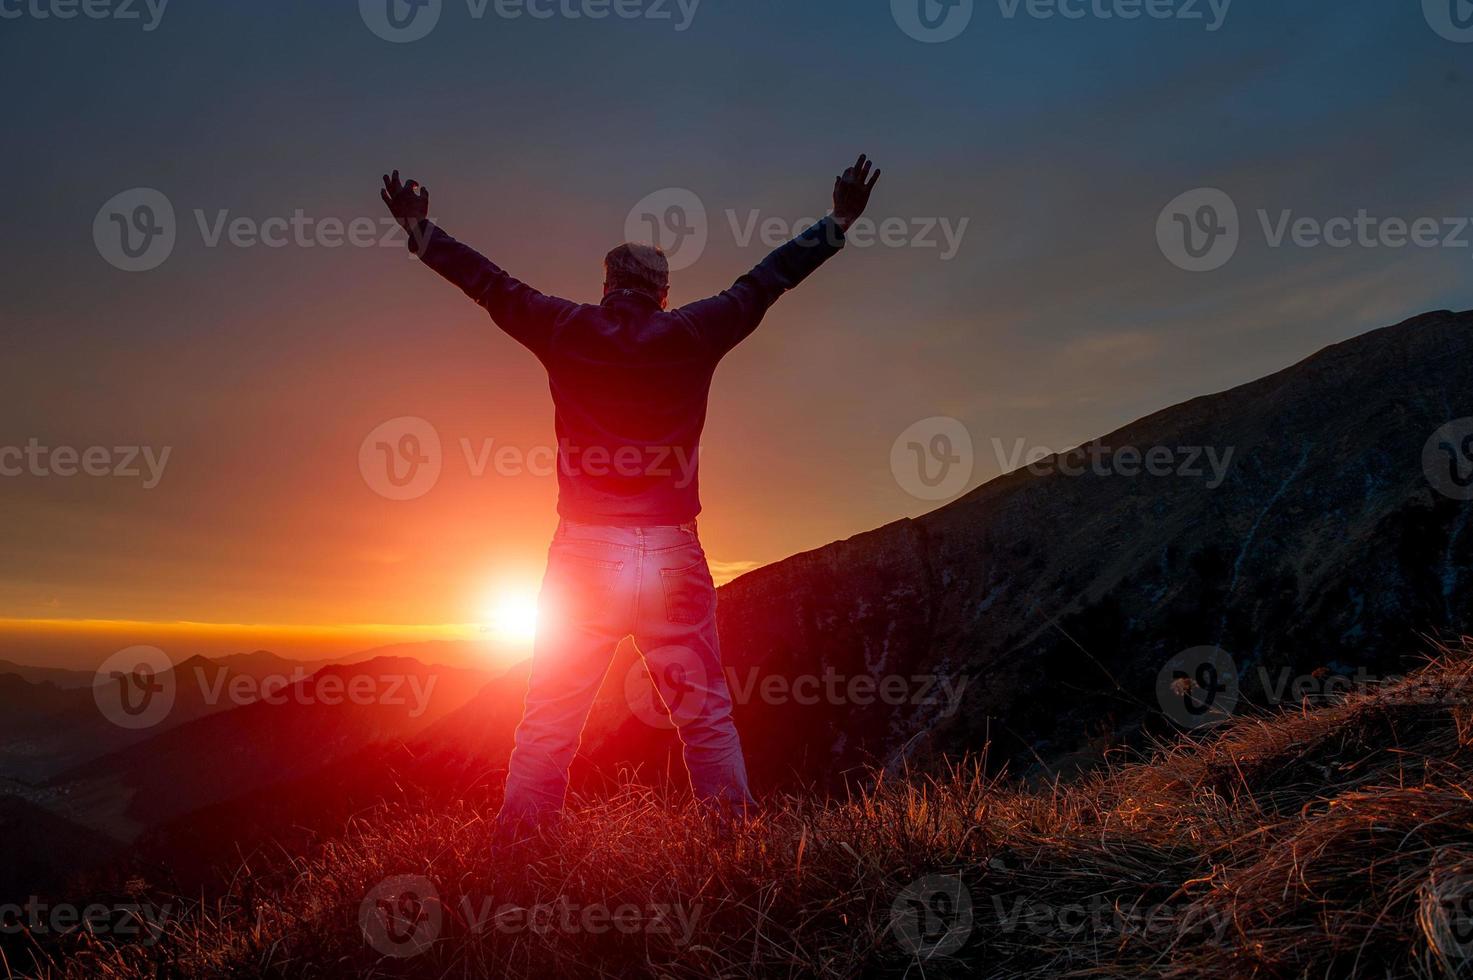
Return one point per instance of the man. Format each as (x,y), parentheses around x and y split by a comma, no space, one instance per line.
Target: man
(629,382)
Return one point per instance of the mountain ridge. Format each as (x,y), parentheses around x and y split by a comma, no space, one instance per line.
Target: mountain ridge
(1373,399)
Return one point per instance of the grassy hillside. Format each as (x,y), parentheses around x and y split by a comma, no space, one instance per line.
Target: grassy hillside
(1332,840)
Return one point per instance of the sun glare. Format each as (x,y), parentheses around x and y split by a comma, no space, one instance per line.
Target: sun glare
(513,617)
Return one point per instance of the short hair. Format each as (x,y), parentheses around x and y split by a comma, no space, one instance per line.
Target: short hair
(637,266)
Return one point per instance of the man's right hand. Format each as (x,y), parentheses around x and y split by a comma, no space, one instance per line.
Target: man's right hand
(408,202)
(852,190)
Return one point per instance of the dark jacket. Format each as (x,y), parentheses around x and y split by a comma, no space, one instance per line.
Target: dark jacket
(629,381)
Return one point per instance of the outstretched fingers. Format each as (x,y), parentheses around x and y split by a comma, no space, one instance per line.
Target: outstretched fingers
(863,172)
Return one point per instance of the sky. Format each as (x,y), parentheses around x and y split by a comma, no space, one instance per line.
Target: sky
(1018,281)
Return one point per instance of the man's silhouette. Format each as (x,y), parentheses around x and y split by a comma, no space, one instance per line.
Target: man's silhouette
(629,382)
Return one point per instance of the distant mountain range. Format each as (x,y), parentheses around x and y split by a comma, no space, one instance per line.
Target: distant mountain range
(52,723)
(212,756)
(56,676)
(1035,614)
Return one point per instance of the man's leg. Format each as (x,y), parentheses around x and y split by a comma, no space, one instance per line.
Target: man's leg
(583,612)
(676,632)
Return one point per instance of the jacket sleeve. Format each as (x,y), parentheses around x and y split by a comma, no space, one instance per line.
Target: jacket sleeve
(524,313)
(726,319)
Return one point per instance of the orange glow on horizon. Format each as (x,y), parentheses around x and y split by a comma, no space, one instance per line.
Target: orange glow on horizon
(399,631)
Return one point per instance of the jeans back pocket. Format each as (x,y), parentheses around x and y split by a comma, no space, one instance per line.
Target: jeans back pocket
(580,589)
(690,593)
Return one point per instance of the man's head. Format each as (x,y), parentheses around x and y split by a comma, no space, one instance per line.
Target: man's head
(642,268)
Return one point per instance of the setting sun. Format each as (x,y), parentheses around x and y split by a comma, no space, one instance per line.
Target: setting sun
(513,616)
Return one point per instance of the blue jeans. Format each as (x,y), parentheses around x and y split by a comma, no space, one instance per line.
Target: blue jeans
(604,583)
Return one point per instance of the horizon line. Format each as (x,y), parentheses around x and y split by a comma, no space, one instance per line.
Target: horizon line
(98,623)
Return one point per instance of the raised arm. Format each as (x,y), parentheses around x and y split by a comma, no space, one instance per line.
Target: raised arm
(520,310)
(726,319)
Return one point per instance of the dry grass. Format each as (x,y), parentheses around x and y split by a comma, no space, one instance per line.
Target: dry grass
(1331,841)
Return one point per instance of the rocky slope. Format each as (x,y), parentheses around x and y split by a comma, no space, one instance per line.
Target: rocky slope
(1057,598)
